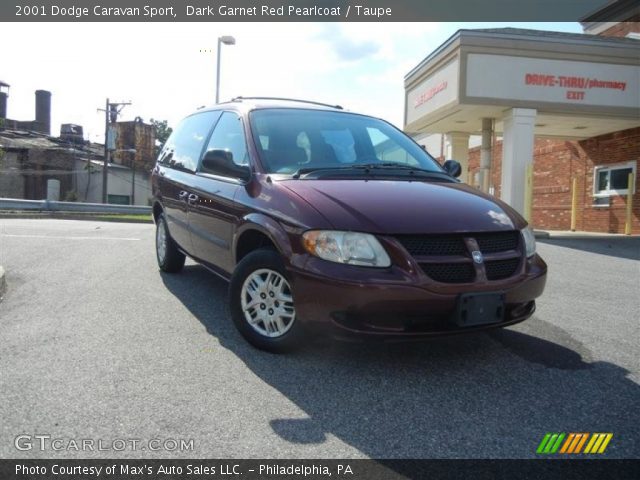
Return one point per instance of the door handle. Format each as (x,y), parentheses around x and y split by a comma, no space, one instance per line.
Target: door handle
(193,198)
(183,195)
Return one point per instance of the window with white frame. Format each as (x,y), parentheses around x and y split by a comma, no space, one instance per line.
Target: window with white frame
(613,179)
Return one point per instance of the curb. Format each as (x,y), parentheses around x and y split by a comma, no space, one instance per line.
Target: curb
(3,283)
(557,234)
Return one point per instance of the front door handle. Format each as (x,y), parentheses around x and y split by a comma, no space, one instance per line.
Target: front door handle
(193,198)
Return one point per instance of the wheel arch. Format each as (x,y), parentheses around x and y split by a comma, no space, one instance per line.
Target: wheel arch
(157,210)
(258,231)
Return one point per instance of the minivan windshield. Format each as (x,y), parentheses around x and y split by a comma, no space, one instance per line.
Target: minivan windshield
(294,140)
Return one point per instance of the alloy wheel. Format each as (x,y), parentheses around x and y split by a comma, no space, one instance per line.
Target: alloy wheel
(267,303)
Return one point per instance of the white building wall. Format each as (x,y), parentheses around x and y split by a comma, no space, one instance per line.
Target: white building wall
(89,186)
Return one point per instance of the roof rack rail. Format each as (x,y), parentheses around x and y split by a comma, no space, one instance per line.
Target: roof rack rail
(236,99)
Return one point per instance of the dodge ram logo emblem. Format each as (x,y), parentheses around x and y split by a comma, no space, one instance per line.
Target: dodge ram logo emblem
(477,256)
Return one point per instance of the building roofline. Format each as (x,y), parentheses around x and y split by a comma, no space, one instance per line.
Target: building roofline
(613,11)
(510,34)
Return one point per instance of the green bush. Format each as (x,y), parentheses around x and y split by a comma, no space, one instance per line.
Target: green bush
(71,196)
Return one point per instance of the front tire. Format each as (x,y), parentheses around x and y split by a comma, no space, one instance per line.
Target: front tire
(262,304)
(170,259)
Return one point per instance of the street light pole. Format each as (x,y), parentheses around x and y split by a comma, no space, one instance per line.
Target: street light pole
(227,40)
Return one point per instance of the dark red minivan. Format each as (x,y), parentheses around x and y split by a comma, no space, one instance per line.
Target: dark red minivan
(326,220)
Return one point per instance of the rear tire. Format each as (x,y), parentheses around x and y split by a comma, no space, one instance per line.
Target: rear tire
(170,259)
(262,304)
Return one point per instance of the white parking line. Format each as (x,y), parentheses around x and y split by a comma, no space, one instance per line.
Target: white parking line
(66,238)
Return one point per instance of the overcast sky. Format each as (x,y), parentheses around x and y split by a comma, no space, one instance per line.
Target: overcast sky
(160,68)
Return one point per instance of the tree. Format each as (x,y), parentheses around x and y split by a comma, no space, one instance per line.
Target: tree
(163,130)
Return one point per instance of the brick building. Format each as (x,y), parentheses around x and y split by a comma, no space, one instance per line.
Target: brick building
(567,104)
(134,144)
(557,162)
(31,159)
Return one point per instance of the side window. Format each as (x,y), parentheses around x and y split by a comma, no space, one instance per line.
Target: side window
(184,146)
(229,135)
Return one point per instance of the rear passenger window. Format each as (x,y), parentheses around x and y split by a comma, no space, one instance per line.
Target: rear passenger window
(229,135)
(184,146)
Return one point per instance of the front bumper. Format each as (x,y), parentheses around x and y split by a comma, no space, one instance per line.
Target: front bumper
(348,301)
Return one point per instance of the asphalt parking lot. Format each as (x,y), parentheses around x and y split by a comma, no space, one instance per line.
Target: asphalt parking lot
(96,343)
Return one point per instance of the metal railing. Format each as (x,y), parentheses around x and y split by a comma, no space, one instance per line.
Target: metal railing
(54,206)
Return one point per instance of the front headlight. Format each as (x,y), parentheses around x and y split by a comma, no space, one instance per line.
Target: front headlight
(346,247)
(529,241)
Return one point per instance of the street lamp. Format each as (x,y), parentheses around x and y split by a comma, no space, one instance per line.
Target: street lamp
(227,40)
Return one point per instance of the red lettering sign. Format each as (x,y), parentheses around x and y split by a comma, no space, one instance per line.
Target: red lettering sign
(428,94)
(572,82)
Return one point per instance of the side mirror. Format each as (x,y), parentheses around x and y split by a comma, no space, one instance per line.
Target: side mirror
(452,168)
(220,162)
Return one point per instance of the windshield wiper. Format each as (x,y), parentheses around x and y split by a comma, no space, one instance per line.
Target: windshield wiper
(402,166)
(368,167)
(303,171)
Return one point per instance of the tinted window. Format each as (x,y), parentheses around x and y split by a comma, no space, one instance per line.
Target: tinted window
(229,135)
(291,139)
(614,179)
(603,180)
(184,146)
(620,178)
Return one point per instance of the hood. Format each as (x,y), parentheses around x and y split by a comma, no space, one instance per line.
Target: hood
(405,207)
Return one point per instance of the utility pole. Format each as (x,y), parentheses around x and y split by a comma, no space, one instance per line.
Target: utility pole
(111,112)
(105,165)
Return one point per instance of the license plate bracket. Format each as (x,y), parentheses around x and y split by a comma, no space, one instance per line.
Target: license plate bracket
(475,309)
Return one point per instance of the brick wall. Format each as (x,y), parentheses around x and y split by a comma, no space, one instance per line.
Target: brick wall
(623,28)
(556,163)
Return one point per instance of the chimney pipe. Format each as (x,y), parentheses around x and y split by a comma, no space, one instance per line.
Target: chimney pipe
(3,104)
(43,111)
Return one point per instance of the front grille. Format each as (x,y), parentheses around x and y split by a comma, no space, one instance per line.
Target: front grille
(497,242)
(454,245)
(418,245)
(450,272)
(499,269)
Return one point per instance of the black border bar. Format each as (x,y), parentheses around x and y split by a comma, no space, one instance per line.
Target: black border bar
(112,469)
(295,10)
